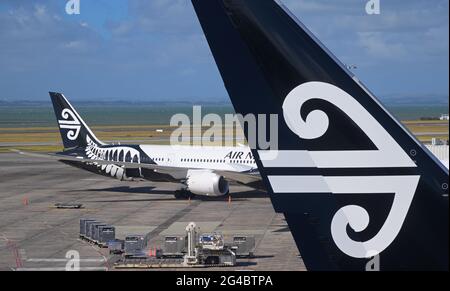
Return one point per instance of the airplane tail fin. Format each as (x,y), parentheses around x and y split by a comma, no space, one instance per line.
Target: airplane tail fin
(74,131)
(354,185)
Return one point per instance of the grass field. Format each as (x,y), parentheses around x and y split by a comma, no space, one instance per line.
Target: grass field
(47,139)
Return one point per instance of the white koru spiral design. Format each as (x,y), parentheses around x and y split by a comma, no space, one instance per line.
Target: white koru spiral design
(388,154)
(70,122)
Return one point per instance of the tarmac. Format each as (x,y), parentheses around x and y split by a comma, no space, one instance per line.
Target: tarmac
(35,235)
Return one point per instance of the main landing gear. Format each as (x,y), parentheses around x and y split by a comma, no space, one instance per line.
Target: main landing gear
(183,194)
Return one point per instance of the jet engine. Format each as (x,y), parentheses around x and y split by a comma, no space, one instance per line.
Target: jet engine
(206,183)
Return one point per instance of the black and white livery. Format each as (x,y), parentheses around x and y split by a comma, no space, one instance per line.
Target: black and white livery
(203,171)
(352,182)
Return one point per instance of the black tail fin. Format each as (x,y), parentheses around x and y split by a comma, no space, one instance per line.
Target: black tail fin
(74,132)
(355,186)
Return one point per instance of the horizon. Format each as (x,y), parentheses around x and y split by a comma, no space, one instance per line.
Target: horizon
(393,100)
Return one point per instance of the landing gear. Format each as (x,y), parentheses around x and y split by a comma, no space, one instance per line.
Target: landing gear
(183,194)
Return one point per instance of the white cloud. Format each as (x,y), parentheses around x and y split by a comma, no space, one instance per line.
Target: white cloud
(379,47)
(40,11)
(161,40)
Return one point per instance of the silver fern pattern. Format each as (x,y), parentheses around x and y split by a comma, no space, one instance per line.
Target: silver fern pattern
(118,154)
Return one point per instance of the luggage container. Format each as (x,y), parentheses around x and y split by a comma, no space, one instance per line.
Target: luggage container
(104,234)
(243,245)
(174,246)
(83,222)
(88,225)
(95,231)
(91,230)
(134,245)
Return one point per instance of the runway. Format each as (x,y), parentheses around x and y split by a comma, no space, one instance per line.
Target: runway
(35,235)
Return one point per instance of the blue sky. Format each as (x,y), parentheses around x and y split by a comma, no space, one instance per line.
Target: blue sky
(155,49)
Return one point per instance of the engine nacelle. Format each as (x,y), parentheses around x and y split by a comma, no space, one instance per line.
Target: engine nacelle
(206,183)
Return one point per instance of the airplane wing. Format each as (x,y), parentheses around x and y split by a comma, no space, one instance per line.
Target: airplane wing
(251,179)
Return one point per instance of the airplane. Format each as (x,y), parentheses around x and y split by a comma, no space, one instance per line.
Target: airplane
(358,191)
(201,171)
